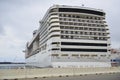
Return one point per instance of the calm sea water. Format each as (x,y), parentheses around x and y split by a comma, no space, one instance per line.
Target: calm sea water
(12,66)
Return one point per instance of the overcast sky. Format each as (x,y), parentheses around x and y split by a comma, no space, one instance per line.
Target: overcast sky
(18,19)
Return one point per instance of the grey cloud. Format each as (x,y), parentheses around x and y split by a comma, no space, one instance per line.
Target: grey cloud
(22,16)
(1,30)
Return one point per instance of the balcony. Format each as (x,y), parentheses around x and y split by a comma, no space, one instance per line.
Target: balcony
(54,28)
(54,20)
(53,16)
(54,24)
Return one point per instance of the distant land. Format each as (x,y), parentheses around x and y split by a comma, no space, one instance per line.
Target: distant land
(12,63)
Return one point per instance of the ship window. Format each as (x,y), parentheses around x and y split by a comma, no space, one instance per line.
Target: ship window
(80,28)
(84,44)
(94,55)
(75,55)
(77,16)
(69,15)
(54,54)
(62,36)
(83,50)
(62,31)
(80,24)
(64,15)
(64,54)
(85,33)
(81,33)
(99,34)
(62,27)
(55,49)
(69,19)
(73,16)
(81,11)
(103,55)
(60,15)
(55,43)
(85,28)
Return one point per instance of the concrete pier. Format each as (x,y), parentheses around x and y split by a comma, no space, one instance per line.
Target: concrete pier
(53,72)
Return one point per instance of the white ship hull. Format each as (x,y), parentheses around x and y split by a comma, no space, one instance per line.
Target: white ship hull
(45,60)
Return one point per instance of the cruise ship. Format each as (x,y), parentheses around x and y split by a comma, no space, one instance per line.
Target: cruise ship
(70,36)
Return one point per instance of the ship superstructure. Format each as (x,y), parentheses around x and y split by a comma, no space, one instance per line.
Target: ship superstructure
(70,36)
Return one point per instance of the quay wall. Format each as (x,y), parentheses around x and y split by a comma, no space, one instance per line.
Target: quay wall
(51,72)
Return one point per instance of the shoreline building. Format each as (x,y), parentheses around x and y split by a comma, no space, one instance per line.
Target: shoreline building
(115,57)
(70,36)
